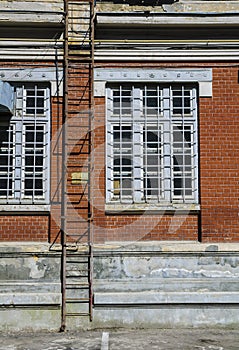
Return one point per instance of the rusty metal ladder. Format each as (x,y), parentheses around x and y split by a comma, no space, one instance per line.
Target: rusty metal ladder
(76,208)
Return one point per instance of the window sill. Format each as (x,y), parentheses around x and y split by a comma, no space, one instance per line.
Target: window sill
(119,208)
(23,208)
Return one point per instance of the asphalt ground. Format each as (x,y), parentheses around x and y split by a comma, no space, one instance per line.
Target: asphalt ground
(165,339)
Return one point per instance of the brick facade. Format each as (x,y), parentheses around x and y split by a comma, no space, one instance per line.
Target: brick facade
(33,228)
(218,144)
(219,187)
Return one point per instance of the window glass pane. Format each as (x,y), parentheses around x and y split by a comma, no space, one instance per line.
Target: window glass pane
(152,162)
(34,160)
(152,100)
(122,164)
(182,161)
(181,100)
(122,101)
(35,101)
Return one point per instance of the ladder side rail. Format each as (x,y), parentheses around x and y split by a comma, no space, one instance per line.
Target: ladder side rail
(91,162)
(72,56)
(64,169)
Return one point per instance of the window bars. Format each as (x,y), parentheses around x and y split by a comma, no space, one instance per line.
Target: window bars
(24,147)
(152,144)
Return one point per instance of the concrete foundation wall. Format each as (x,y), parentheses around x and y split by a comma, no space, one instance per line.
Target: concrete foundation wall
(30,290)
(138,285)
(163,284)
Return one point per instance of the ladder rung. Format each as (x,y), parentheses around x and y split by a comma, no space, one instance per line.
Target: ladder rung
(73,248)
(77,261)
(73,300)
(79,273)
(79,286)
(77,314)
(84,255)
(78,276)
(75,221)
(77,234)
(84,59)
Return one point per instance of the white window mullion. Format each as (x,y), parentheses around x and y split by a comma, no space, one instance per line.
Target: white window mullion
(195,174)
(24,101)
(185,145)
(45,183)
(138,162)
(20,97)
(183,148)
(109,146)
(137,146)
(19,142)
(34,157)
(110,160)
(109,103)
(167,142)
(10,158)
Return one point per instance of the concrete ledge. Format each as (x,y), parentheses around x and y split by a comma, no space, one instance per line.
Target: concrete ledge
(152,298)
(29,299)
(165,247)
(29,287)
(12,12)
(141,19)
(166,285)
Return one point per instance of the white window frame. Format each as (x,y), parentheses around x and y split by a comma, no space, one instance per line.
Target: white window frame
(166,121)
(20,120)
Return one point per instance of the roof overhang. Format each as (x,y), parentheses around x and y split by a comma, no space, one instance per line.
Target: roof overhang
(28,20)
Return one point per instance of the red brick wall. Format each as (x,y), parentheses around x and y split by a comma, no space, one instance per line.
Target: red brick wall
(219,182)
(219,176)
(24,228)
(128,227)
(219,166)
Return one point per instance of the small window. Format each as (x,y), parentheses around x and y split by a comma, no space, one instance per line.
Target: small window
(35,101)
(182,100)
(122,101)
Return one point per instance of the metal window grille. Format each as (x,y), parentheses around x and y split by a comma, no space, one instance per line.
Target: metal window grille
(6,160)
(34,142)
(152,143)
(24,147)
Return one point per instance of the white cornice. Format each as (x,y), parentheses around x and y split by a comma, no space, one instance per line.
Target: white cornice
(166,55)
(47,54)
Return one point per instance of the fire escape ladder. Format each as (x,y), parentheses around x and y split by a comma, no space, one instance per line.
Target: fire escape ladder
(76,211)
